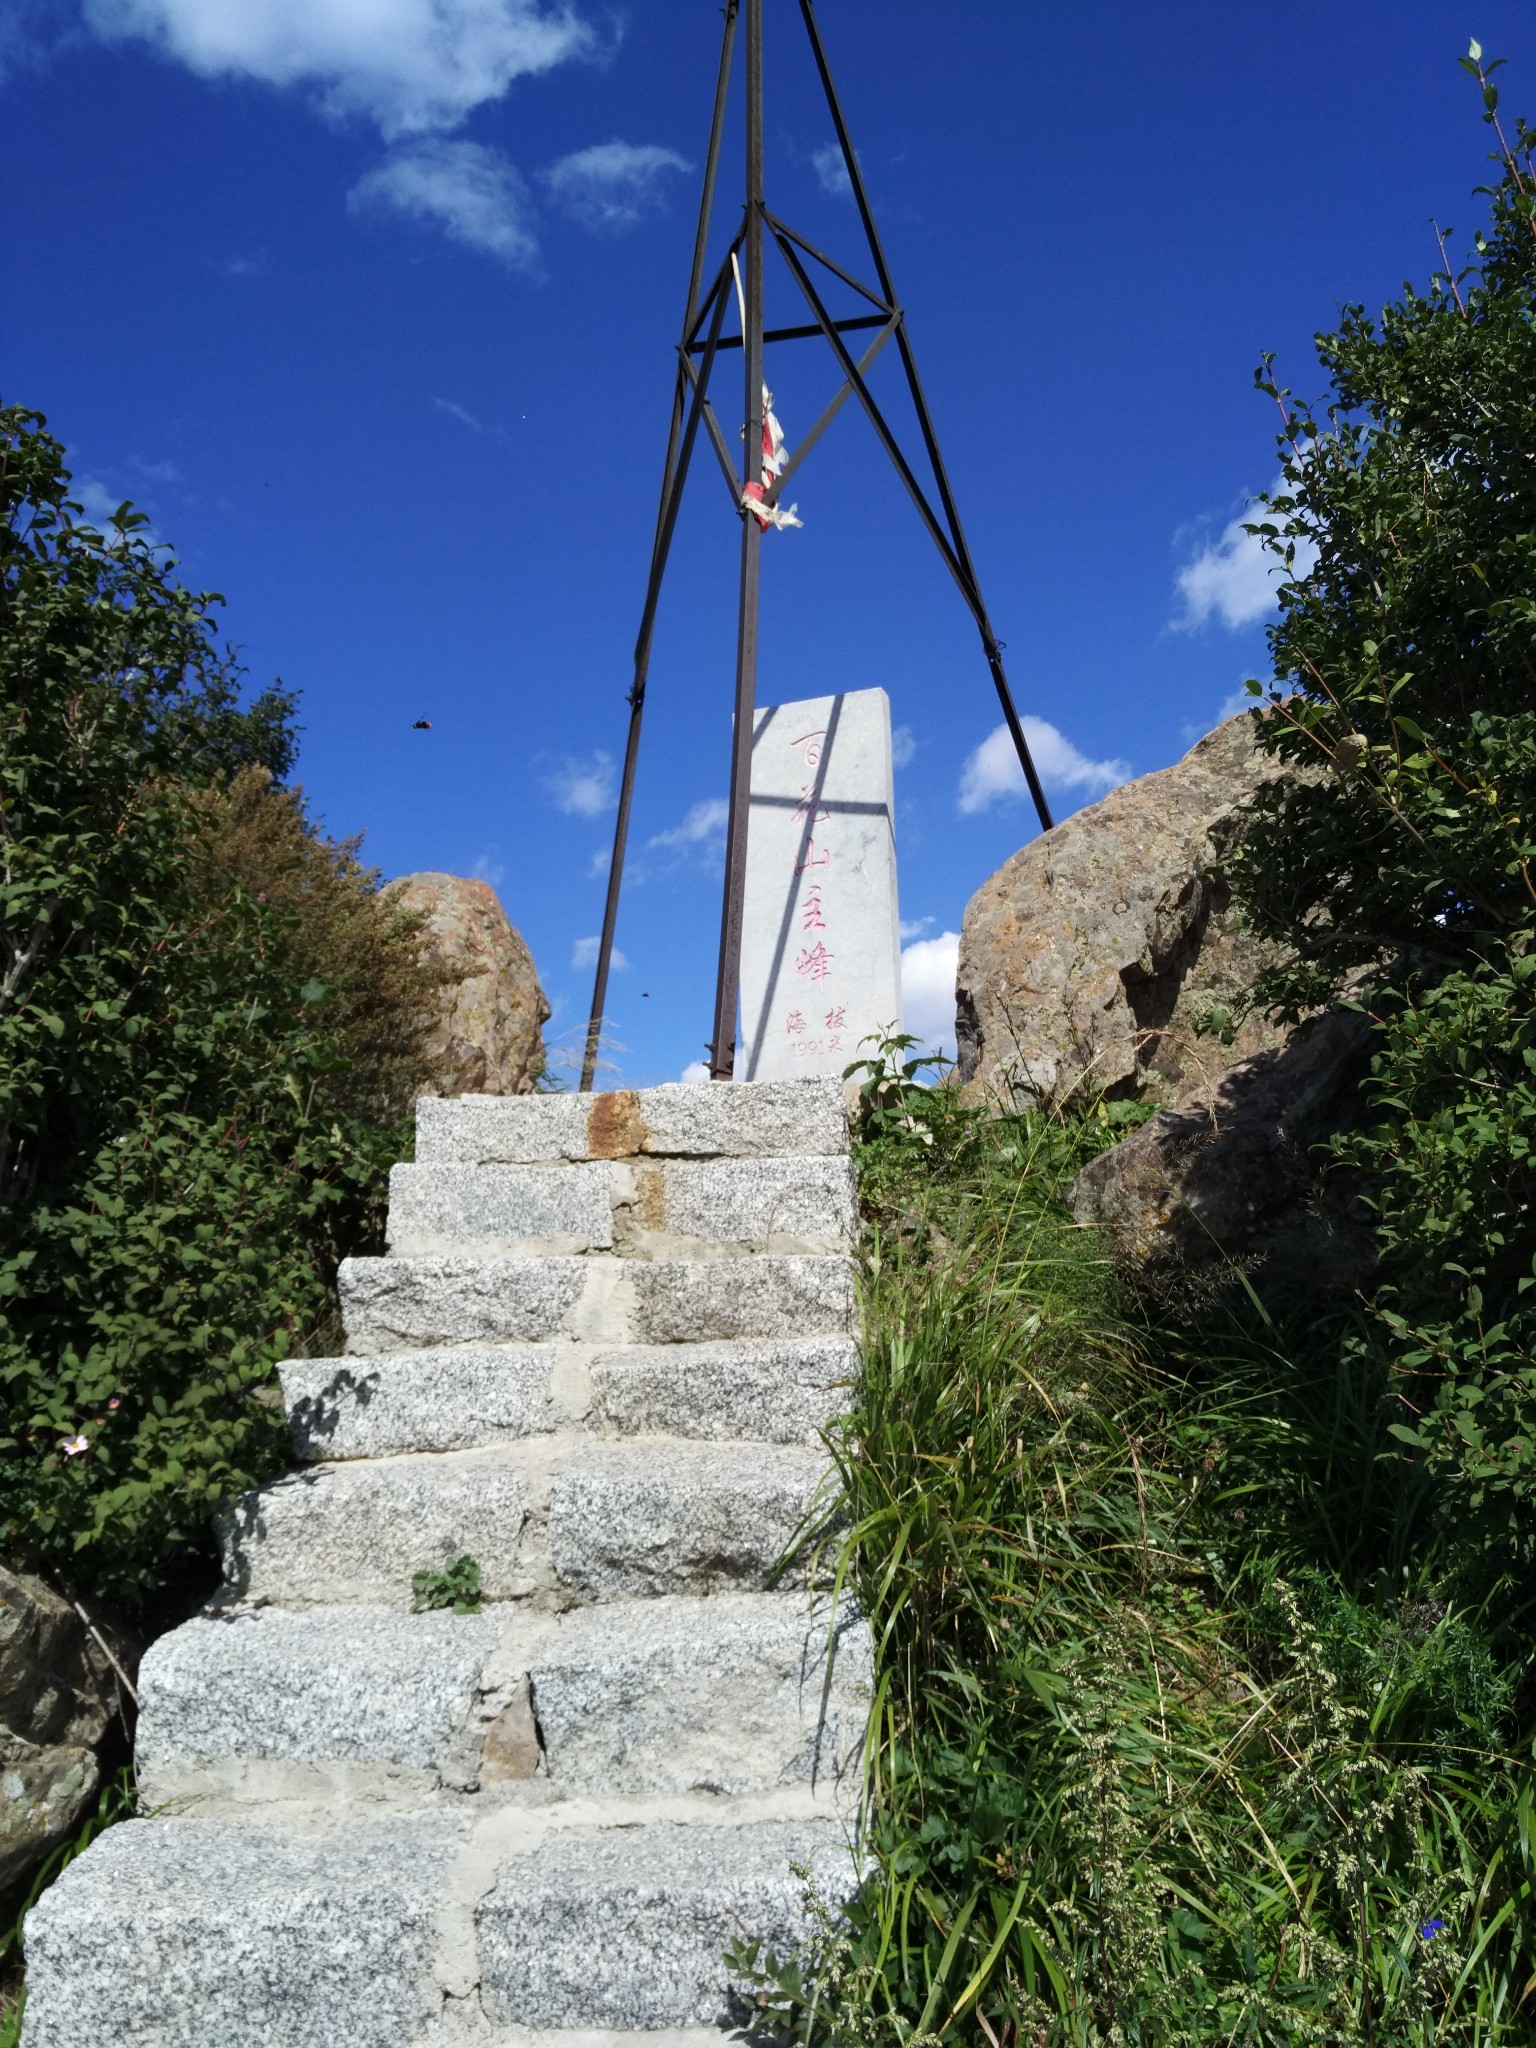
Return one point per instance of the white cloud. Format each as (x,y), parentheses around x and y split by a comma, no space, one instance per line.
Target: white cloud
(903,746)
(992,772)
(472,193)
(1234,578)
(488,868)
(584,788)
(1230,706)
(612,186)
(584,954)
(704,824)
(928,990)
(465,417)
(411,66)
(912,927)
(696,1070)
(832,172)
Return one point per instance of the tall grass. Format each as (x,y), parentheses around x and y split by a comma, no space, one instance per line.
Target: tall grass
(1180,1734)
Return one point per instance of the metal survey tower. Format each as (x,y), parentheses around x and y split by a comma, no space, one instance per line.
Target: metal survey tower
(739,279)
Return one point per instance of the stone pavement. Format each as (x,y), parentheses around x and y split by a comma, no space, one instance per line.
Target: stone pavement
(596,1360)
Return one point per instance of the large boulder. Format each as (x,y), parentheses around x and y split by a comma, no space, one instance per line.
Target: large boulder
(63,1701)
(487,1035)
(1090,962)
(1236,1185)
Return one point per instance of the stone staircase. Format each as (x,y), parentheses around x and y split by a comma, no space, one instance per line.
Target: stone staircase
(595,1359)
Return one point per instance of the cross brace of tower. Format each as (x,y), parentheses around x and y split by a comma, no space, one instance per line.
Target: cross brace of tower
(703,343)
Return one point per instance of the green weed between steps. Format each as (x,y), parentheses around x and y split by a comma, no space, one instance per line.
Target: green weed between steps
(1185,1729)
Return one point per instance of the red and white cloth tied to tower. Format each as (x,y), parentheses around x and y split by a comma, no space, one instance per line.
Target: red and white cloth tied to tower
(753,496)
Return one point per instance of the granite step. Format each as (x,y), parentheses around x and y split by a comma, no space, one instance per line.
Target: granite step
(742,1693)
(646,1209)
(423,1929)
(726,1119)
(405,1304)
(778,1390)
(561,1519)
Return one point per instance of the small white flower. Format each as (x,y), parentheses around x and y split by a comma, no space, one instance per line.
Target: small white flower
(72,1446)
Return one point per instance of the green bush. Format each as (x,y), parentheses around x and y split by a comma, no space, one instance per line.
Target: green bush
(1406,659)
(186,1149)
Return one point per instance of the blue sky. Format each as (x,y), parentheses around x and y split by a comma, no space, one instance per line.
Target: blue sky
(370,304)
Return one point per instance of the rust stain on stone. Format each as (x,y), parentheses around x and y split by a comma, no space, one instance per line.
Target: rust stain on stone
(651,1208)
(615,1128)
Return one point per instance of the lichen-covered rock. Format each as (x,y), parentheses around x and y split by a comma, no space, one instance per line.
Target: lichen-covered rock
(60,1697)
(1235,1181)
(487,1036)
(1091,960)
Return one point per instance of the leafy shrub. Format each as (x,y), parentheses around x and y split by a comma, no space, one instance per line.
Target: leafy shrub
(1406,649)
(205,1042)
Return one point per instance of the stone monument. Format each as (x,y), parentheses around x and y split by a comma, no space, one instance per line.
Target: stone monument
(821,947)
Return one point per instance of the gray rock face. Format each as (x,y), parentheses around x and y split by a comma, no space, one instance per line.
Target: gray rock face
(59,1697)
(1089,961)
(187,1934)
(628,1928)
(1230,1182)
(487,1025)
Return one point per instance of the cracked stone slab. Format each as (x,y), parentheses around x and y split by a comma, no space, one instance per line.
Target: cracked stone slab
(407,1304)
(731,1119)
(627,1927)
(499,1208)
(329,1685)
(356,1534)
(726,1695)
(198,1934)
(630,1521)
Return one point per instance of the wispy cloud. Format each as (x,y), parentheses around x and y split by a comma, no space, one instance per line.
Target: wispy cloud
(490,867)
(1234,577)
(411,66)
(466,418)
(704,824)
(928,990)
(612,186)
(469,191)
(903,746)
(241,266)
(584,954)
(832,172)
(992,773)
(584,789)
(913,927)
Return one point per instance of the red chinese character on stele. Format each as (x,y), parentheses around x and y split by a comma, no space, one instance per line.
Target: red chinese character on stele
(811,741)
(813,813)
(810,858)
(837,1020)
(811,917)
(794,1022)
(815,961)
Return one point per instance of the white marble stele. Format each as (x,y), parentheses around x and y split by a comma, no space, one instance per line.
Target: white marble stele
(821,945)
